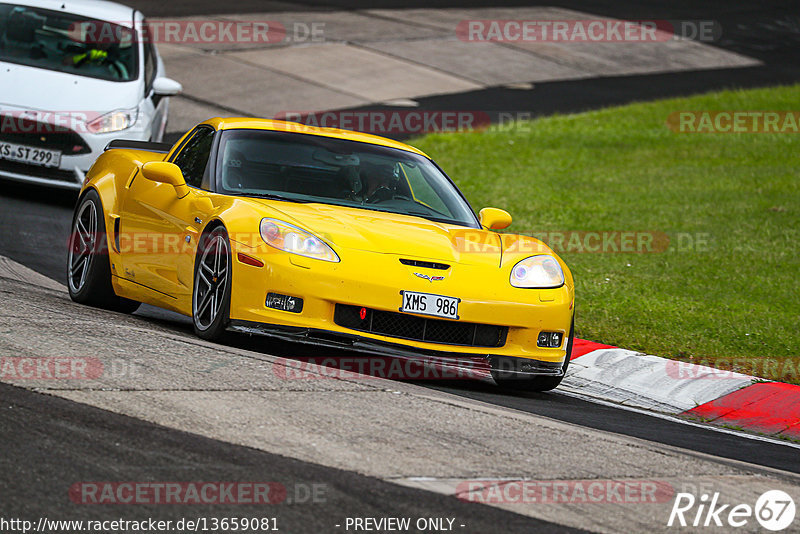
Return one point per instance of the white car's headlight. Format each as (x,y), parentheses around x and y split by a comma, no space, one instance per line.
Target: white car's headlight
(290,238)
(541,271)
(113,122)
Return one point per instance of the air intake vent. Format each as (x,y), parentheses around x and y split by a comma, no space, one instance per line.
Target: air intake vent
(406,326)
(427,264)
(46,135)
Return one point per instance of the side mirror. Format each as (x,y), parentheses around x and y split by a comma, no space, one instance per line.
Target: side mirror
(494,218)
(164,172)
(166,87)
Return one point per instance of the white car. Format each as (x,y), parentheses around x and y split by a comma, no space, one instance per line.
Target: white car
(75,75)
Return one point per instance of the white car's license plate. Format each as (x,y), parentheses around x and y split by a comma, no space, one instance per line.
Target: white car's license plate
(30,155)
(429,304)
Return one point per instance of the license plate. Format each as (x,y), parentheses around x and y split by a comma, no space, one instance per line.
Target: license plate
(429,304)
(30,155)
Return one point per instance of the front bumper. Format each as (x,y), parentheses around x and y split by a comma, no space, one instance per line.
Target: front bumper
(59,177)
(473,366)
(70,174)
(374,280)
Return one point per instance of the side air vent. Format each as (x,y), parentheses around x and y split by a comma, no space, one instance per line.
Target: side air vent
(116,233)
(427,264)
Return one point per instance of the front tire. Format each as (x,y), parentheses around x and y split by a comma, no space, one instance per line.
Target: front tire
(536,383)
(88,265)
(211,296)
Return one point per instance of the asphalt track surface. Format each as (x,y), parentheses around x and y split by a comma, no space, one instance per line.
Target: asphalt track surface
(72,440)
(75,442)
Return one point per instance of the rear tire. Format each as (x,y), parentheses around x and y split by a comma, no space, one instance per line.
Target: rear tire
(211,296)
(88,265)
(536,383)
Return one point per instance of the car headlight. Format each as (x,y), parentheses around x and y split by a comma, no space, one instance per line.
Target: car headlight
(114,121)
(540,271)
(289,238)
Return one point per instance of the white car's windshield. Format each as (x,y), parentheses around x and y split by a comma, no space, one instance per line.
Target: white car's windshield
(68,43)
(311,168)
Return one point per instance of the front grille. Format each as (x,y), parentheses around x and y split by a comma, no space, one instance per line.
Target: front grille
(50,173)
(43,135)
(406,326)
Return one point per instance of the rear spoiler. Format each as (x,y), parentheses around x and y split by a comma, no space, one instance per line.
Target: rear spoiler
(161,148)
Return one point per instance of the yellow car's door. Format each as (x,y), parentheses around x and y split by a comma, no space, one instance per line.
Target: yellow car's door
(158,229)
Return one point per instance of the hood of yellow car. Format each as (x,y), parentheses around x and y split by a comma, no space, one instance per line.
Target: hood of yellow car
(389,233)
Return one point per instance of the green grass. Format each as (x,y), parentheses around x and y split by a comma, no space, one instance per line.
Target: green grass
(736,304)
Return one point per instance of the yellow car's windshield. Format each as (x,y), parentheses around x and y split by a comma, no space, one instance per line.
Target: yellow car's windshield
(311,168)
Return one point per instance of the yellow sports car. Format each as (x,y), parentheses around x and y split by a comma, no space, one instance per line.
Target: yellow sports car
(324,236)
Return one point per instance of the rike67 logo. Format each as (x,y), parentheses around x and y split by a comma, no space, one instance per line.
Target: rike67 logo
(774,510)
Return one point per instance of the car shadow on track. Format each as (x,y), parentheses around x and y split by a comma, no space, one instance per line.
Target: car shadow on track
(38,193)
(303,361)
(307,361)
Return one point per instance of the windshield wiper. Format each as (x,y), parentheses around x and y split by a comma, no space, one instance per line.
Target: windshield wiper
(273,196)
(430,217)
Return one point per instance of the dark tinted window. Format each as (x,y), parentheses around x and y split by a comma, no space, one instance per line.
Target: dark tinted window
(311,168)
(74,44)
(193,157)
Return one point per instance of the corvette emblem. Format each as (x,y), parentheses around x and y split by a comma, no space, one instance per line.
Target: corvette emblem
(429,278)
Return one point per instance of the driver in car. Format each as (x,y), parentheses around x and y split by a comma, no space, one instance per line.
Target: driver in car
(380,183)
